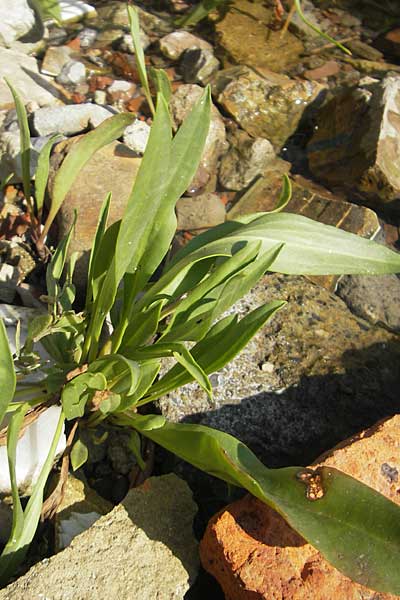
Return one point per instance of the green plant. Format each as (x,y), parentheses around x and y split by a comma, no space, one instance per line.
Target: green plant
(105,376)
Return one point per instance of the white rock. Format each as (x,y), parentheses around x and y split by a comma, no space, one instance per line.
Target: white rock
(33,446)
(174,44)
(100,97)
(75,10)
(16,19)
(136,136)
(120,85)
(126,44)
(69,120)
(73,72)
(55,59)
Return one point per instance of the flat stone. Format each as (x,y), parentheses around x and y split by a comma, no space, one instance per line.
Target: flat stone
(69,119)
(16,19)
(245,38)
(75,10)
(200,212)
(357,142)
(268,106)
(174,44)
(112,169)
(255,554)
(55,59)
(143,549)
(22,71)
(328,69)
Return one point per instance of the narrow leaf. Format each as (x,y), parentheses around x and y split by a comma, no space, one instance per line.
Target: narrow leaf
(42,173)
(25,141)
(139,54)
(7,372)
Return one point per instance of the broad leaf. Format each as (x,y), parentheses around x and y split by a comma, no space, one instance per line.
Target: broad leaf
(7,372)
(355,528)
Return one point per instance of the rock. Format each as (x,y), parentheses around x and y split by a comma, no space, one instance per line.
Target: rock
(143,549)
(246,38)
(310,200)
(16,19)
(376,299)
(328,69)
(112,169)
(120,91)
(254,553)
(363,50)
(136,136)
(247,158)
(268,106)
(181,104)
(100,97)
(200,212)
(113,16)
(79,509)
(72,73)
(389,43)
(55,59)
(23,73)
(87,37)
(9,276)
(174,44)
(333,375)
(75,10)
(69,119)
(198,66)
(126,43)
(357,142)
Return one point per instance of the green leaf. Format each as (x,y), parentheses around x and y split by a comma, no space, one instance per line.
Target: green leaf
(56,265)
(48,9)
(121,373)
(311,25)
(222,343)
(100,231)
(25,141)
(135,445)
(79,454)
(78,155)
(148,371)
(162,82)
(42,173)
(142,327)
(139,54)
(7,372)
(355,528)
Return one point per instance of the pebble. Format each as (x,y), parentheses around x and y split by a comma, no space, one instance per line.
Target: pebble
(136,136)
(73,72)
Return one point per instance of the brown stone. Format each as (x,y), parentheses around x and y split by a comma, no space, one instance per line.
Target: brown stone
(328,69)
(111,169)
(256,555)
(200,212)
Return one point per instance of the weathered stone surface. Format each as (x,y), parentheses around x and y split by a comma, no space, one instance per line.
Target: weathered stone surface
(16,19)
(69,119)
(174,44)
(247,158)
(198,65)
(268,106)
(143,549)
(245,37)
(328,376)
(376,299)
(254,553)
(72,73)
(55,59)
(181,103)
(114,16)
(200,212)
(357,142)
(111,169)
(23,73)
(73,11)
(136,136)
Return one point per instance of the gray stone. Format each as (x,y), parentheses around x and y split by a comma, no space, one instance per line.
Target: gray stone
(126,43)
(332,376)
(181,103)
(114,16)
(198,65)
(143,549)
(87,37)
(73,11)
(55,59)
(174,44)
(136,136)
(247,158)
(356,143)
(72,73)
(16,19)
(200,212)
(23,73)
(376,299)
(269,106)
(69,119)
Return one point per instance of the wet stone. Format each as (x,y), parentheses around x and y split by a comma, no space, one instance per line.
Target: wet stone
(174,44)
(198,65)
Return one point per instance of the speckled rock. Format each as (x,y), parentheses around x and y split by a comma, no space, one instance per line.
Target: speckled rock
(312,376)
(247,158)
(181,104)
(268,106)
(143,549)
(245,38)
(356,143)
(376,299)
(174,44)
(256,555)
(200,212)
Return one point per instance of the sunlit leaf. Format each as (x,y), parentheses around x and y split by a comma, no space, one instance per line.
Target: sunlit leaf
(7,372)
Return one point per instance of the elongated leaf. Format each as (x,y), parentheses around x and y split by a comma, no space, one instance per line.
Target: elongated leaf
(25,141)
(311,25)
(148,371)
(110,130)
(100,231)
(57,262)
(162,82)
(48,9)
(7,372)
(42,172)
(122,373)
(354,527)
(139,54)
(217,348)
(142,328)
